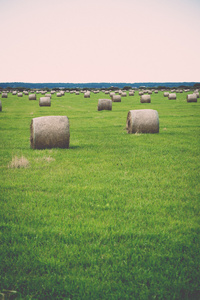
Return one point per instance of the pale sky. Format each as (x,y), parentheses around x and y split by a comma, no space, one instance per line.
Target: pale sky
(99,40)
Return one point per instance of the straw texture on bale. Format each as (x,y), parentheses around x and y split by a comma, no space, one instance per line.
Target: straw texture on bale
(145,99)
(0,106)
(192,97)
(45,101)
(87,95)
(172,96)
(104,104)
(32,97)
(20,95)
(50,132)
(4,95)
(116,98)
(142,121)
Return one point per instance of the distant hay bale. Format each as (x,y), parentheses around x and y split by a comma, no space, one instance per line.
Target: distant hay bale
(141,93)
(104,104)
(43,92)
(172,96)
(123,94)
(20,94)
(112,94)
(0,106)
(145,99)
(192,97)
(197,93)
(32,97)
(149,92)
(142,121)
(166,94)
(58,94)
(45,101)
(156,91)
(49,132)
(25,93)
(14,93)
(4,95)
(116,98)
(87,94)
(77,93)
(106,92)
(48,95)
(52,92)
(131,93)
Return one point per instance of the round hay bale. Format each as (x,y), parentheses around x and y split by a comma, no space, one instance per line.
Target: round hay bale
(116,98)
(14,93)
(192,97)
(145,99)
(4,95)
(141,93)
(48,95)
(104,104)
(20,94)
(0,106)
(197,93)
(142,121)
(156,91)
(77,93)
(49,132)
(87,94)
(166,94)
(123,94)
(131,93)
(43,92)
(172,96)
(58,94)
(32,97)
(45,101)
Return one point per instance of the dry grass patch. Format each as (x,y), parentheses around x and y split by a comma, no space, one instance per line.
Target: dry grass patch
(18,162)
(46,158)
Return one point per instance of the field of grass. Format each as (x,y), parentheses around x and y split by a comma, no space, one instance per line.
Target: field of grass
(115,216)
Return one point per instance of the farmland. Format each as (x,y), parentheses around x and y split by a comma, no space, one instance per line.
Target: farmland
(115,216)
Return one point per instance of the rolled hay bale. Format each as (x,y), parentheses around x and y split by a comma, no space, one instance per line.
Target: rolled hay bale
(25,93)
(131,93)
(32,97)
(156,91)
(142,121)
(197,93)
(49,132)
(48,95)
(145,99)
(166,94)
(116,98)
(45,101)
(123,94)
(14,93)
(141,93)
(112,94)
(58,94)
(43,92)
(106,92)
(0,106)
(4,95)
(87,94)
(77,93)
(149,92)
(52,92)
(192,97)
(172,96)
(104,104)
(20,94)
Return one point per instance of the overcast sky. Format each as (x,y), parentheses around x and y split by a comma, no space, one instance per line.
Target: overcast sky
(99,40)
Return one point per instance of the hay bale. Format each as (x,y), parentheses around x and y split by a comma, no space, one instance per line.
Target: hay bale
(0,106)
(87,94)
(141,93)
(45,101)
(142,121)
(131,93)
(192,97)
(166,94)
(104,104)
(156,91)
(14,93)
(116,98)
(49,132)
(123,94)
(58,94)
(145,99)
(172,96)
(48,95)
(197,93)
(32,97)
(20,94)
(4,95)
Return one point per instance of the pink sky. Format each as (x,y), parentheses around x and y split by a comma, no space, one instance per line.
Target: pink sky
(99,40)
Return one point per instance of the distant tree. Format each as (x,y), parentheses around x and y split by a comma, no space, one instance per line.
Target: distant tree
(127,87)
(196,85)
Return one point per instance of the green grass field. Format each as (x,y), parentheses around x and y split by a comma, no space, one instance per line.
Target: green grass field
(115,216)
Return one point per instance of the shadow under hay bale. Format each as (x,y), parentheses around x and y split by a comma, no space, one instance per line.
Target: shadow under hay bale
(142,121)
(0,106)
(45,101)
(4,95)
(104,104)
(49,132)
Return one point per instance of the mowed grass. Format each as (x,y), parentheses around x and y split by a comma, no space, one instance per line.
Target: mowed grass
(115,216)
